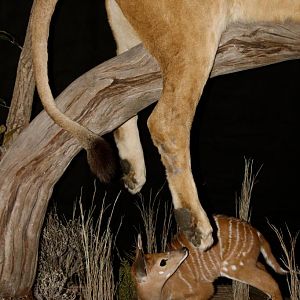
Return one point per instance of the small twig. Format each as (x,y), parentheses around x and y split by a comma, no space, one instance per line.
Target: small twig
(289,260)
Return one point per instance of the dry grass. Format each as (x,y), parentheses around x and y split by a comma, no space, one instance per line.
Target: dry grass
(98,282)
(243,202)
(149,213)
(289,261)
(60,260)
(149,217)
(167,225)
(76,256)
(241,290)
(75,259)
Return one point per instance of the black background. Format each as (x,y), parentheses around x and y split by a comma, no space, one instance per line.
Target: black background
(252,114)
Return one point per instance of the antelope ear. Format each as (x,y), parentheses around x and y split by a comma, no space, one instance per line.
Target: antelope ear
(140,266)
(140,243)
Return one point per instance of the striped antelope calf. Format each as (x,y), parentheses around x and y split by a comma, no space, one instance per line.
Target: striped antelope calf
(173,276)
(151,271)
(183,36)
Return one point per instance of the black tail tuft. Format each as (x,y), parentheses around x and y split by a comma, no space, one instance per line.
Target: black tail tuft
(101,160)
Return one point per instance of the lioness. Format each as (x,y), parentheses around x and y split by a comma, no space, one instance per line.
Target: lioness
(183,36)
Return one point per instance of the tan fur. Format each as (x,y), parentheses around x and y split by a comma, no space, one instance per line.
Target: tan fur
(233,256)
(183,35)
(127,136)
(131,154)
(150,272)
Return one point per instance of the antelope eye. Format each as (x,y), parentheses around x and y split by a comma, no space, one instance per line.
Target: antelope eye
(163,262)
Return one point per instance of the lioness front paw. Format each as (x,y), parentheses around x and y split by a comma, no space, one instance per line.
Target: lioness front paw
(199,234)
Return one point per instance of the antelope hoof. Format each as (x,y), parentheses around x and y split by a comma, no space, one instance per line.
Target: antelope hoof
(198,234)
(133,181)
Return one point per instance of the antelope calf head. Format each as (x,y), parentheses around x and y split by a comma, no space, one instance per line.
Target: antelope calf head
(234,255)
(151,271)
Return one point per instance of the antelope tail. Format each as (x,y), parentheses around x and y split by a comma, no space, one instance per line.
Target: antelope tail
(268,255)
(99,154)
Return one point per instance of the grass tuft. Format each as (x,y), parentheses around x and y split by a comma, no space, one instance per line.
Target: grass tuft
(98,280)
(60,260)
(289,260)
(241,290)
(157,235)
(75,259)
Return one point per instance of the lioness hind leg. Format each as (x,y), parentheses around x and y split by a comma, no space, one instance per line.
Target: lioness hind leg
(127,136)
(131,155)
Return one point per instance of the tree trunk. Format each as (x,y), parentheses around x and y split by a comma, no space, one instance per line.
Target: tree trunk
(101,99)
(21,102)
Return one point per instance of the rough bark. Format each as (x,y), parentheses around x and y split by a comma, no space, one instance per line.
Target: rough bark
(21,102)
(101,99)
(244,47)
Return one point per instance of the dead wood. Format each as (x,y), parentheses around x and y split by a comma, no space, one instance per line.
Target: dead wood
(101,99)
(21,102)
(224,292)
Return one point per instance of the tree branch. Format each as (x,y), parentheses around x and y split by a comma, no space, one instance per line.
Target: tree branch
(21,103)
(245,46)
(102,99)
